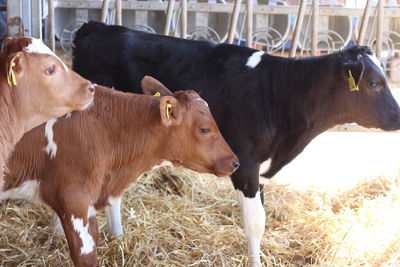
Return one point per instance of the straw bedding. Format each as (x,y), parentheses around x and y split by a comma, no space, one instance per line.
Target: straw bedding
(179,218)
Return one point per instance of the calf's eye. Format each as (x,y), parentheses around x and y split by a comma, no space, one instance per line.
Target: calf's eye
(205,130)
(51,70)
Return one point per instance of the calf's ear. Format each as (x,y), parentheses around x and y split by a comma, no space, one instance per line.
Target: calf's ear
(15,67)
(354,72)
(170,110)
(152,86)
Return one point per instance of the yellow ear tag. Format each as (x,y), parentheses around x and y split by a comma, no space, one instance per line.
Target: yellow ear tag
(168,110)
(352,83)
(157,94)
(11,75)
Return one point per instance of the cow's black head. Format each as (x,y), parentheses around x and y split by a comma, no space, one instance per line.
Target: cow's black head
(368,100)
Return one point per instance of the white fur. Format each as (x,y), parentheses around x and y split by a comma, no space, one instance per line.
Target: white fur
(163,164)
(254,59)
(203,101)
(375,60)
(91,211)
(83,231)
(264,167)
(28,190)
(37,46)
(113,215)
(58,226)
(51,148)
(253,221)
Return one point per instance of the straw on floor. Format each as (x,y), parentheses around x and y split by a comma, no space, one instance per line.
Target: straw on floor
(187,219)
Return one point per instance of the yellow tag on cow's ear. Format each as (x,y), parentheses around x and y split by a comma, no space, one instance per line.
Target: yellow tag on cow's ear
(168,110)
(352,83)
(157,94)
(11,79)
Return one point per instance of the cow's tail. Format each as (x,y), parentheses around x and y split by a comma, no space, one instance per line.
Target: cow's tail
(88,28)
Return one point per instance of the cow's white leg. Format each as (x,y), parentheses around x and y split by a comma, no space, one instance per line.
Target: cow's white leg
(253,221)
(57,223)
(113,214)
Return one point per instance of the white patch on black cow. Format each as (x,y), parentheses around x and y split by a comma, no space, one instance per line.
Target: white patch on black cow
(375,60)
(254,59)
(253,221)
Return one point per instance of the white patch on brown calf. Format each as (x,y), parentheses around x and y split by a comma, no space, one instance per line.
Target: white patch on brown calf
(83,231)
(113,215)
(254,59)
(27,190)
(91,211)
(37,46)
(51,148)
(164,163)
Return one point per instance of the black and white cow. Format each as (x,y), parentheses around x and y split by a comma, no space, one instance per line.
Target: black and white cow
(268,108)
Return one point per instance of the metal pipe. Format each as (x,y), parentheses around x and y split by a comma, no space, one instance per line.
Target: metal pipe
(234,20)
(379,30)
(364,23)
(51,35)
(118,9)
(104,10)
(297,29)
(249,31)
(183,19)
(168,16)
(314,30)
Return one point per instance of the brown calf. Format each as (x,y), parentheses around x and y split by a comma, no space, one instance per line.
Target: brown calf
(35,86)
(95,155)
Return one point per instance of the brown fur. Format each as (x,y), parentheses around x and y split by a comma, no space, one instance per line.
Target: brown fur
(37,97)
(101,151)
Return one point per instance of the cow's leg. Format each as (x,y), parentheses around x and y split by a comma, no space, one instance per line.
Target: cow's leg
(113,215)
(81,236)
(246,182)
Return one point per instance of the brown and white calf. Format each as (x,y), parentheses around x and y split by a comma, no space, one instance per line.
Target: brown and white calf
(83,163)
(35,86)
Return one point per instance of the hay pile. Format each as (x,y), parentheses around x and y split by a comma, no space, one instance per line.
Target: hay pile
(194,220)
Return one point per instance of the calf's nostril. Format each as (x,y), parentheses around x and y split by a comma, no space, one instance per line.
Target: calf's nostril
(235,164)
(91,88)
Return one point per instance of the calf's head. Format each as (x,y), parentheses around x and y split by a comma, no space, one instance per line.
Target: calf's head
(194,140)
(41,81)
(368,100)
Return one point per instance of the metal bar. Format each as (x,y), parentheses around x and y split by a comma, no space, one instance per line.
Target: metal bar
(118,9)
(104,10)
(223,8)
(184,10)
(299,23)
(234,20)
(51,36)
(168,16)
(379,30)
(249,31)
(364,23)
(314,29)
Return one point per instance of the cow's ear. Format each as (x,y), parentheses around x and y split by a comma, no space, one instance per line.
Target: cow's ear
(152,86)
(170,110)
(354,72)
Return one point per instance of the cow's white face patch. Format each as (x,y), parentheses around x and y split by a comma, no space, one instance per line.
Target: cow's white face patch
(113,215)
(37,46)
(163,164)
(375,60)
(254,59)
(28,190)
(83,231)
(51,148)
(253,220)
